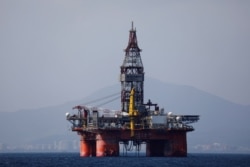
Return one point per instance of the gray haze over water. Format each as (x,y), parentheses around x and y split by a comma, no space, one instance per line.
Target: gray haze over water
(54,51)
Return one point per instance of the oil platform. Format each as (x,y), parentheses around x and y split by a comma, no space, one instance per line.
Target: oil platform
(137,123)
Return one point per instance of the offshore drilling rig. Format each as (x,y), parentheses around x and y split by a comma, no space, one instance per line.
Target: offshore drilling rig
(137,123)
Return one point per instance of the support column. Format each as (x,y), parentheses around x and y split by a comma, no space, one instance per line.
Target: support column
(87,147)
(176,146)
(106,146)
(179,144)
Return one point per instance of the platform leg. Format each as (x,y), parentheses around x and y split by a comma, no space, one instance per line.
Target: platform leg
(106,146)
(87,147)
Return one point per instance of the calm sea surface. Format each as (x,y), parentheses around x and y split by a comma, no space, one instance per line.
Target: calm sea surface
(73,159)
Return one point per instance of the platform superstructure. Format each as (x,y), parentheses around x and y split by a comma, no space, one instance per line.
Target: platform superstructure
(137,122)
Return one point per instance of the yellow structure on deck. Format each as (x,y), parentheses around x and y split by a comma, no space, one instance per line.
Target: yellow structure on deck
(132,112)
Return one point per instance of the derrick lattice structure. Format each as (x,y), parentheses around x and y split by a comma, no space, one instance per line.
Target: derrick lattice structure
(132,73)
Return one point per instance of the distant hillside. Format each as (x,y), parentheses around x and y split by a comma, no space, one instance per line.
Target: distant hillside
(223,125)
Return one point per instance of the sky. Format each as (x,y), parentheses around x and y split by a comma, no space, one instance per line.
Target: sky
(55,51)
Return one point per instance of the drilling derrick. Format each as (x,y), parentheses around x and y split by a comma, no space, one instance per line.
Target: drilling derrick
(103,132)
(132,73)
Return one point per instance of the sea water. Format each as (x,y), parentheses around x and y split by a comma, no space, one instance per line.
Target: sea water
(74,160)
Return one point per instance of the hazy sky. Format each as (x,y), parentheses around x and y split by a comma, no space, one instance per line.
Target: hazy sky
(54,51)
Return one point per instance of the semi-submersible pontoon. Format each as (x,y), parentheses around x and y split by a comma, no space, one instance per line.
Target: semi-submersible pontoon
(102,132)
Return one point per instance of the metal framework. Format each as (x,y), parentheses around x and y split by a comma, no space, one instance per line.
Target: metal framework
(102,130)
(132,73)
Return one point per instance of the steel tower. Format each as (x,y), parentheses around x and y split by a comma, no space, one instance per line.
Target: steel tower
(101,135)
(132,73)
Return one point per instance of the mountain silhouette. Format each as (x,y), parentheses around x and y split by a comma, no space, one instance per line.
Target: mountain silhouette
(221,121)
